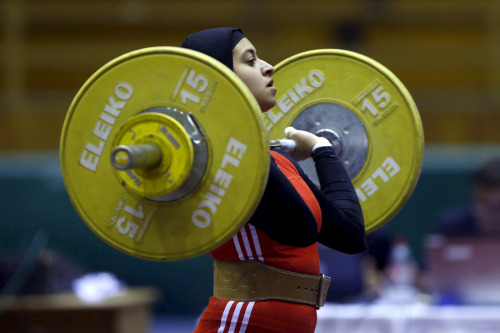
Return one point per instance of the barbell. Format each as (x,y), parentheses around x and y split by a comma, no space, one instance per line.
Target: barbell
(165,152)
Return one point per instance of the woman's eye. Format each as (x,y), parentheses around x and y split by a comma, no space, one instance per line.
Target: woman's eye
(252,61)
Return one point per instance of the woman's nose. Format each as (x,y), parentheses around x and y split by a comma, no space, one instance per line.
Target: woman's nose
(267,69)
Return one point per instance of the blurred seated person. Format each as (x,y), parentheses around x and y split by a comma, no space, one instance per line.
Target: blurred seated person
(482,216)
(358,277)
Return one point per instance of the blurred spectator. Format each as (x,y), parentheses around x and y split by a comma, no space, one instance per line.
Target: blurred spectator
(357,277)
(482,215)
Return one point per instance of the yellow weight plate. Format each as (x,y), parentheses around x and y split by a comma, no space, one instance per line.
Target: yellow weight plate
(367,113)
(230,153)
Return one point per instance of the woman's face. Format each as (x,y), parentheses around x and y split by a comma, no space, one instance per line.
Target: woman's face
(255,73)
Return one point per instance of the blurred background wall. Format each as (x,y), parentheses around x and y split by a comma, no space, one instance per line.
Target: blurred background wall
(446,52)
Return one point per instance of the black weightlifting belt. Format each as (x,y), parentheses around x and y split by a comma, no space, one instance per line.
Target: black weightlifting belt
(248,281)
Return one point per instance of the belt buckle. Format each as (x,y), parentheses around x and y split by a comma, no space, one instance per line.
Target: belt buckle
(324,283)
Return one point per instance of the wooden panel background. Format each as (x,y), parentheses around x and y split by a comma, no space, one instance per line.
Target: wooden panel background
(447,52)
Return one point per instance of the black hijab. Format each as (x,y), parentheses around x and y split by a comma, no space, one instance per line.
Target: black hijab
(217,43)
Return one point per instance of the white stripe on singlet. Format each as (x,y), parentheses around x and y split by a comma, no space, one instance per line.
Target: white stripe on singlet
(256,243)
(246,317)
(246,241)
(248,249)
(238,247)
(234,318)
(223,320)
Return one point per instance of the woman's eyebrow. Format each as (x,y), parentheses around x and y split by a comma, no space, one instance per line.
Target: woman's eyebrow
(251,51)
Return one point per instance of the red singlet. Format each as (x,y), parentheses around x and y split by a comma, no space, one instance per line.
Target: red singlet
(224,316)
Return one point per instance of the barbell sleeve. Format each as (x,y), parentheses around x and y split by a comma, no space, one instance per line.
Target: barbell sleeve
(146,155)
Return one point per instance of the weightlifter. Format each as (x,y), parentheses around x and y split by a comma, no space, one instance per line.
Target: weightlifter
(267,277)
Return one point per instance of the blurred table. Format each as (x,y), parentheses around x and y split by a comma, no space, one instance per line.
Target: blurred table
(408,319)
(128,312)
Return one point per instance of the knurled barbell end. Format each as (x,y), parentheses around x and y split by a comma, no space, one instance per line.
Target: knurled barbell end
(121,158)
